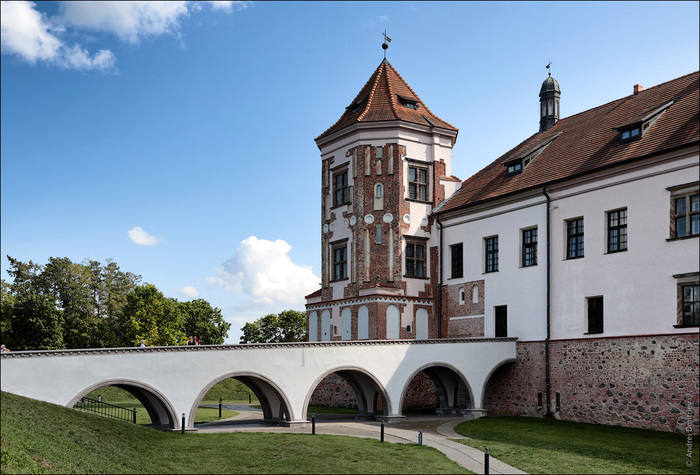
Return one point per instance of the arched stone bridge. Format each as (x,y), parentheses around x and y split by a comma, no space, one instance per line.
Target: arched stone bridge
(172,380)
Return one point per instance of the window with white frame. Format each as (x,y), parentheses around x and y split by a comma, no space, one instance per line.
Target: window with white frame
(418,183)
(685,210)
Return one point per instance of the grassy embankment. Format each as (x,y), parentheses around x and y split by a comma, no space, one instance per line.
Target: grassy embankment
(43,438)
(552,446)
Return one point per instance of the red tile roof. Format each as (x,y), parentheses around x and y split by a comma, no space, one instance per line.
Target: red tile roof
(589,141)
(382,98)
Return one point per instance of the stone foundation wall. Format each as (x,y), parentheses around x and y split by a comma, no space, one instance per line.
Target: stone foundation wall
(646,382)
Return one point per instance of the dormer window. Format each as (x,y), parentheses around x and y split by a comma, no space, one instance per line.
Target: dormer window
(630,135)
(409,103)
(355,106)
(636,130)
(515,168)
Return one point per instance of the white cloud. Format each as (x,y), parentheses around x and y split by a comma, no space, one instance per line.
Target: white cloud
(30,35)
(142,238)
(33,36)
(228,7)
(130,21)
(189,292)
(262,271)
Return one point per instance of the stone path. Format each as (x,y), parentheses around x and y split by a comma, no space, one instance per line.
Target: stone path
(437,432)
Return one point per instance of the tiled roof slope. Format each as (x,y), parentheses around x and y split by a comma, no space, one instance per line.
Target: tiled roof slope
(589,140)
(381,99)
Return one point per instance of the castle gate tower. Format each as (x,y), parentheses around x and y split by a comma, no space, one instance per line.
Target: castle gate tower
(385,165)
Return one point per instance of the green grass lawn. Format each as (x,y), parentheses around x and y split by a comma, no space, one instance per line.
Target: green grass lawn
(37,437)
(552,446)
(122,398)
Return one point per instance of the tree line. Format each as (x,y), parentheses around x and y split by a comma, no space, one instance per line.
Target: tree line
(62,305)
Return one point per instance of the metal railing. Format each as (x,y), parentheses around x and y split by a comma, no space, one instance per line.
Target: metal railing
(95,406)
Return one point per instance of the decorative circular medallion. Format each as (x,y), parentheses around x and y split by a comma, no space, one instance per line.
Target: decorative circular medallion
(388,218)
(407,218)
(353,220)
(369,219)
(325,228)
(424,222)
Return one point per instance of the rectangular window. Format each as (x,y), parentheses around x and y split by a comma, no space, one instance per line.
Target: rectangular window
(690,295)
(574,238)
(595,315)
(501,320)
(687,216)
(418,183)
(457,260)
(529,247)
(340,263)
(415,260)
(491,254)
(617,230)
(685,210)
(340,187)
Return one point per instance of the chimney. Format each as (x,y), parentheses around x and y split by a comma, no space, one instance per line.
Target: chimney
(638,88)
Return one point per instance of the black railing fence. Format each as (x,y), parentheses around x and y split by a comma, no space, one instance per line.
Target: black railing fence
(105,409)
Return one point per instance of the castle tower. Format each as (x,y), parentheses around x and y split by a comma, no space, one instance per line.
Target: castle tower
(549,103)
(385,166)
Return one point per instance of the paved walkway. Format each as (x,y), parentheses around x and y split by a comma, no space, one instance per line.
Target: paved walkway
(437,432)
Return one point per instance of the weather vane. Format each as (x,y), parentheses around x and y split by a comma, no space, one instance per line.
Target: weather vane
(385,45)
(548,65)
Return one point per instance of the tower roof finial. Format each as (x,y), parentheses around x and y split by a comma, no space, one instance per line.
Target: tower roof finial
(548,65)
(385,45)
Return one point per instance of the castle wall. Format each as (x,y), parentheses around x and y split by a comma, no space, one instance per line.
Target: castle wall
(648,382)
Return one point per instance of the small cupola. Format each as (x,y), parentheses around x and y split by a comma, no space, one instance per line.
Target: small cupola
(549,103)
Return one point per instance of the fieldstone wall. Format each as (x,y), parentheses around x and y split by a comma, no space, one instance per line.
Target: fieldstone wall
(646,382)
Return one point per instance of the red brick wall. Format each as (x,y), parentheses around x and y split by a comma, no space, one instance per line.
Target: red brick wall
(646,382)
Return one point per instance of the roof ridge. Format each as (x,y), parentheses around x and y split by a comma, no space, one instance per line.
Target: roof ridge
(392,99)
(619,99)
(370,96)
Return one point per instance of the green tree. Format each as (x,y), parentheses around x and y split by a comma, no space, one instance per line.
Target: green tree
(36,324)
(149,315)
(205,322)
(287,326)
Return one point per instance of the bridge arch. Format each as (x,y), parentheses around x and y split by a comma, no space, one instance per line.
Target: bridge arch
(275,404)
(446,379)
(159,408)
(364,384)
(495,370)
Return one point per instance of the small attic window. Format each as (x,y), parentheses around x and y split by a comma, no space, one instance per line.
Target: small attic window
(409,103)
(630,135)
(515,167)
(355,106)
(636,130)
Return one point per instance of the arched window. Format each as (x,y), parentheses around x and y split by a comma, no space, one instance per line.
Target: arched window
(346,319)
(461,296)
(421,324)
(378,196)
(313,326)
(363,323)
(326,325)
(393,317)
(475,294)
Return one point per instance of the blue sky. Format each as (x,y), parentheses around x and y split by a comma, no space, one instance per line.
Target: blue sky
(177,137)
